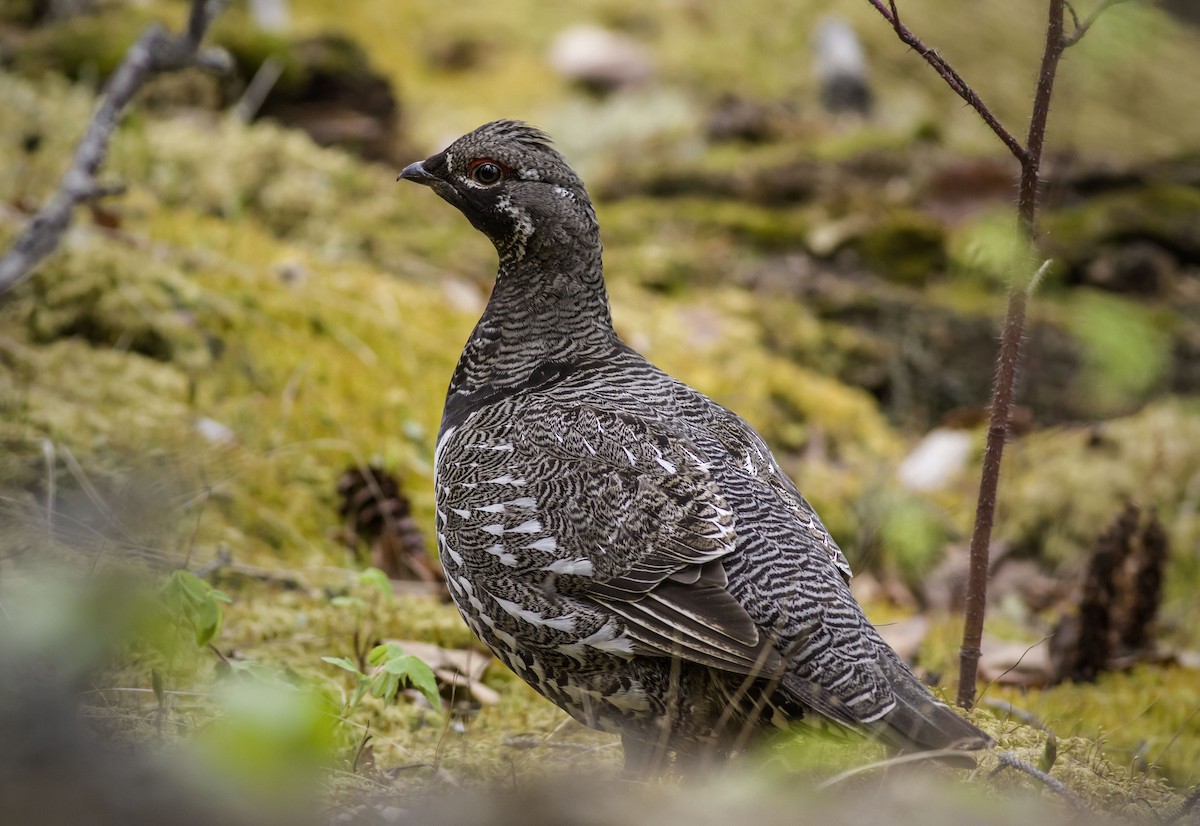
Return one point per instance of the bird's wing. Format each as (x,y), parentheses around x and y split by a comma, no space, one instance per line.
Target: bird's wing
(797,577)
(640,504)
(749,454)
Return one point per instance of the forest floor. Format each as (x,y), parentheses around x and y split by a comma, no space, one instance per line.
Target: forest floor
(209,370)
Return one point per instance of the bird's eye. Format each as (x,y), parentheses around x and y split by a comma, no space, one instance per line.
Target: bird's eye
(487,173)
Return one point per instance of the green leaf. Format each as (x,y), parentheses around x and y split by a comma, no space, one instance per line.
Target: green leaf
(193,603)
(157,684)
(397,669)
(377,578)
(421,677)
(191,585)
(385,686)
(207,621)
(343,663)
(347,602)
(382,653)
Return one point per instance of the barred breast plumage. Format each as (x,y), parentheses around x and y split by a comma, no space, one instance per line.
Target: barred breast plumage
(626,545)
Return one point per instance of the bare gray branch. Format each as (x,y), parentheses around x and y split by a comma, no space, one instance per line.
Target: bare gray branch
(1009,760)
(156,51)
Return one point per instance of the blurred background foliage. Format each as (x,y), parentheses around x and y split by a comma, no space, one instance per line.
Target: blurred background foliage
(188,380)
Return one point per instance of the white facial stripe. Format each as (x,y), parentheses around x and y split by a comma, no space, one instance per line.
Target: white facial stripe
(523,224)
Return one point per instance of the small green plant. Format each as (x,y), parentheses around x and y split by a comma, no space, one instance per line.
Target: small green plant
(384,669)
(379,592)
(193,603)
(392,671)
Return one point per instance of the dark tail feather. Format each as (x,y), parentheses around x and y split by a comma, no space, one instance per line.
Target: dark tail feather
(919,722)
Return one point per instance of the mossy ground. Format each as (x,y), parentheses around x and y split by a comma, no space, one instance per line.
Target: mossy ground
(193,372)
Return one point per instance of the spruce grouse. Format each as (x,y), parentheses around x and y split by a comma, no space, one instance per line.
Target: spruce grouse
(625,544)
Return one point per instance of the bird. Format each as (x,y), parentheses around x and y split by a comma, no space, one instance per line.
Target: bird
(625,544)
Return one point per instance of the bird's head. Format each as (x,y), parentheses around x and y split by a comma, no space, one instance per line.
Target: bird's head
(513,187)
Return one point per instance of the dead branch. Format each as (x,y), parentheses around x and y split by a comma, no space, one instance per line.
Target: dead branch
(898,760)
(1008,760)
(1006,708)
(1190,806)
(157,51)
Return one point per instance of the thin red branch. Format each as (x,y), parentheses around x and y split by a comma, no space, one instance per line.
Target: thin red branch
(1008,361)
(1007,369)
(952,78)
(1027,192)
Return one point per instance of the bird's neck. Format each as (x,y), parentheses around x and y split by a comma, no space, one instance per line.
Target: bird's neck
(547,314)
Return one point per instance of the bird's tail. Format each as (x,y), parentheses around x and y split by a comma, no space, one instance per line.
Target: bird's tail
(920,722)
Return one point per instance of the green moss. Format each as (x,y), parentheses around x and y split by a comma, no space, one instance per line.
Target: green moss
(74,393)
(84,46)
(297,297)
(311,365)
(1142,718)
(1126,349)
(43,122)
(1167,214)
(990,249)
(905,246)
(1066,485)
(1127,731)
(111,295)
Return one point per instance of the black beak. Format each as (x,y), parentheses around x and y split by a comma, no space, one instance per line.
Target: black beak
(416,173)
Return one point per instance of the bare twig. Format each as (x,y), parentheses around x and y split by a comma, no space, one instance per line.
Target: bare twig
(1190,805)
(899,760)
(1004,388)
(1008,760)
(1007,369)
(258,89)
(1081,28)
(155,52)
(224,660)
(1031,166)
(1008,362)
(952,78)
